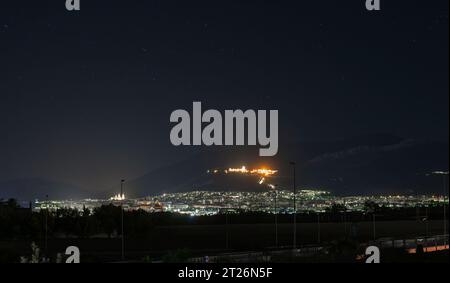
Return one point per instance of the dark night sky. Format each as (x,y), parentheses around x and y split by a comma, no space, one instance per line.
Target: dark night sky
(85,97)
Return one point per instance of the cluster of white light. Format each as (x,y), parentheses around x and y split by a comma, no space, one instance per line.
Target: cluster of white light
(440,173)
(118,197)
(242,170)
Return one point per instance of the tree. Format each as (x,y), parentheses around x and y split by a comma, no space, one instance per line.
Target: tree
(109,218)
(337,208)
(371,207)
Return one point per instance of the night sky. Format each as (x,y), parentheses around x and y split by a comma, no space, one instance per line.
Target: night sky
(85,97)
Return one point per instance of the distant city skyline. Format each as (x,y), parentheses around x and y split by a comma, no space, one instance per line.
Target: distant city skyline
(204,203)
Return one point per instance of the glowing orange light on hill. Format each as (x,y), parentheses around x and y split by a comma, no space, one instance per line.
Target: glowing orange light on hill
(259,171)
(264,172)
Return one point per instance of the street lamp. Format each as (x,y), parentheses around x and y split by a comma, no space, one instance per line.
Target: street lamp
(276,214)
(374,227)
(121,216)
(293,164)
(46,226)
(444,175)
(227,236)
(318,227)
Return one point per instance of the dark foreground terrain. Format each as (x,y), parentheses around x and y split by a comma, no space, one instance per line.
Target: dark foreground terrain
(177,243)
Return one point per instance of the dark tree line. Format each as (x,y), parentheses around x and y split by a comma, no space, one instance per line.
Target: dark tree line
(23,223)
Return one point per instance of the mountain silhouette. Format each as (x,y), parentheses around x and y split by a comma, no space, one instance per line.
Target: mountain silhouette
(372,164)
(37,188)
(375,164)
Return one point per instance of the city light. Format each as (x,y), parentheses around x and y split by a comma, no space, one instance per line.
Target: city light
(118,197)
(201,203)
(259,171)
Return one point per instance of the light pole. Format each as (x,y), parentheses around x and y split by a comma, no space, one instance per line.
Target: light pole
(345,219)
(226,231)
(444,175)
(292,163)
(374,227)
(426,222)
(46,226)
(276,215)
(121,216)
(318,227)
